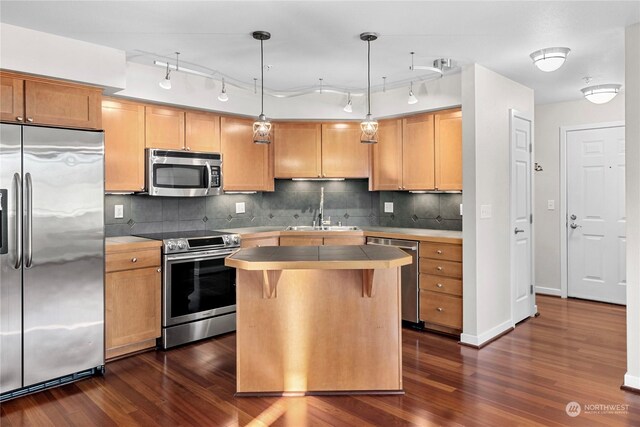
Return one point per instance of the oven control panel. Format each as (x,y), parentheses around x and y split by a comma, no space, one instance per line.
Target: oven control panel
(172,246)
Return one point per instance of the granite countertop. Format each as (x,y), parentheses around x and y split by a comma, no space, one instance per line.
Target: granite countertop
(318,258)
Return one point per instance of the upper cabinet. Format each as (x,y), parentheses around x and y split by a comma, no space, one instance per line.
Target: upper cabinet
(175,129)
(34,100)
(448,143)
(297,150)
(343,155)
(420,152)
(123,123)
(164,128)
(245,166)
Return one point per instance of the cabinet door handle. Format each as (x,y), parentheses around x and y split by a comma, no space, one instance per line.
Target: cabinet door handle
(399,187)
(19,118)
(439,268)
(439,285)
(30,119)
(440,309)
(188,148)
(134,259)
(159,270)
(439,252)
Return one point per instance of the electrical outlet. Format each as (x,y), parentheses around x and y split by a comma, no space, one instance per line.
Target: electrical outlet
(118,211)
(485,211)
(388,207)
(240,207)
(551,204)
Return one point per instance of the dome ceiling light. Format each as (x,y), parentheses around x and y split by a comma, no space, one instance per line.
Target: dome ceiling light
(550,59)
(601,94)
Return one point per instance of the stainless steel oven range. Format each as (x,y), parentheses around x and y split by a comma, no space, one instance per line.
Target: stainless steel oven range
(198,290)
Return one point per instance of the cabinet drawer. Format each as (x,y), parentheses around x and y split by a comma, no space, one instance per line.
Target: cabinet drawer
(441,309)
(131,260)
(441,284)
(441,251)
(338,241)
(301,241)
(441,268)
(256,243)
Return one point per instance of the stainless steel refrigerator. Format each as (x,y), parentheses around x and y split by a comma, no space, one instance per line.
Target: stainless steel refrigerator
(51,257)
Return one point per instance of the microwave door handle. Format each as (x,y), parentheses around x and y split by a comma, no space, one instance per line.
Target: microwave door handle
(209,178)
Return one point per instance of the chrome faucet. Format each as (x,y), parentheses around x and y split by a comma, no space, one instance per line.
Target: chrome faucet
(321,219)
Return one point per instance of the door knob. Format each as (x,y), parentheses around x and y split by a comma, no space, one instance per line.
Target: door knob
(573,217)
(574,225)
(518,230)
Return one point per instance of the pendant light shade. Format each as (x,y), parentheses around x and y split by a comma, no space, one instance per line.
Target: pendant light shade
(550,59)
(223,97)
(601,94)
(262,126)
(369,126)
(166,82)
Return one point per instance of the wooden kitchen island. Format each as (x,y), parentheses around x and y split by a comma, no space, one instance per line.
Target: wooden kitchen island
(318,320)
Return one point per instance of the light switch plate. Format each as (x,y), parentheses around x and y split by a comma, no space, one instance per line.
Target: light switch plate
(551,204)
(118,211)
(461,209)
(240,207)
(485,211)
(388,207)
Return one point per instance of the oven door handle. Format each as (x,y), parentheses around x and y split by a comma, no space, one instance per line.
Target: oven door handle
(198,257)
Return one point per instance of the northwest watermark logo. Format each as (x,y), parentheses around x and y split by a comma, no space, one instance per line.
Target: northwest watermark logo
(573,409)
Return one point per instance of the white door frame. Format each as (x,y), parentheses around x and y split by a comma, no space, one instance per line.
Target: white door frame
(534,308)
(564,255)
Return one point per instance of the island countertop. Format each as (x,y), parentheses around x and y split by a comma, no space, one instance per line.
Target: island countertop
(318,257)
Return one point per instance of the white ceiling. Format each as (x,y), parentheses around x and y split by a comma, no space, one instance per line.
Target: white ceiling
(320,39)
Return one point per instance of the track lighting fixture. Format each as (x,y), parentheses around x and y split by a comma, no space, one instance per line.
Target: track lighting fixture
(412,98)
(349,107)
(223,97)
(369,125)
(262,126)
(166,82)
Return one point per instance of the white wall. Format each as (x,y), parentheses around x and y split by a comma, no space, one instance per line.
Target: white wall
(632,157)
(549,228)
(487,98)
(43,54)
(200,92)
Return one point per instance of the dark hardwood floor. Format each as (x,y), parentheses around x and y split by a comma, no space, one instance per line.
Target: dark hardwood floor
(575,351)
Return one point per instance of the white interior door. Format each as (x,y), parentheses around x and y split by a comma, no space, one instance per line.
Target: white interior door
(596,237)
(523,298)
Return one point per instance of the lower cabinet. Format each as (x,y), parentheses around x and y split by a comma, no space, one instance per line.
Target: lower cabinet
(132,301)
(441,286)
(321,240)
(256,242)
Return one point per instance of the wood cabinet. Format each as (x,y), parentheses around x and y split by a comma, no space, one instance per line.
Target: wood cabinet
(318,239)
(246,166)
(448,154)
(343,241)
(420,152)
(202,132)
(257,242)
(441,286)
(123,123)
(164,128)
(301,241)
(343,155)
(34,100)
(132,300)
(297,150)
(175,129)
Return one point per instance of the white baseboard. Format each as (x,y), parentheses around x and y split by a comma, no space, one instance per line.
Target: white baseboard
(548,291)
(632,381)
(478,340)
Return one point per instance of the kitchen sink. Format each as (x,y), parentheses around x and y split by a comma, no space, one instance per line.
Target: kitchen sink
(323,228)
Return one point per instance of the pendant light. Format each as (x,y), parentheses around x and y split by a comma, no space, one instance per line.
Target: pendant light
(412,98)
(550,59)
(369,125)
(601,94)
(349,107)
(262,126)
(223,97)
(166,82)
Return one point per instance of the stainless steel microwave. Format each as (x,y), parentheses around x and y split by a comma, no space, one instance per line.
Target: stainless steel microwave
(177,173)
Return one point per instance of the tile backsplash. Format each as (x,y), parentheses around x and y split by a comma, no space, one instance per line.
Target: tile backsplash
(292,203)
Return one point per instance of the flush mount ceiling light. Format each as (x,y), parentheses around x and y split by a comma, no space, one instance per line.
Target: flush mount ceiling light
(262,126)
(349,107)
(412,98)
(601,94)
(550,59)
(166,82)
(369,125)
(223,97)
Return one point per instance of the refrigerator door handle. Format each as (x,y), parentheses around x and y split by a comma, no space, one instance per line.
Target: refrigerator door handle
(17,182)
(29,221)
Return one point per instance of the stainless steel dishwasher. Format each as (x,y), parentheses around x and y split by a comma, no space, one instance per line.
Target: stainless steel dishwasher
(410,287)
